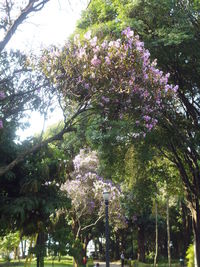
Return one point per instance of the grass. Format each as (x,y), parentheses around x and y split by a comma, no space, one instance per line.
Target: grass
(48,262)
(68,262)
(135,263)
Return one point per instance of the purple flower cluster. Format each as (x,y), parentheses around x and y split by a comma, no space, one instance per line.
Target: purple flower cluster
(1,124)
(2,95)
(95,61)
(118,76)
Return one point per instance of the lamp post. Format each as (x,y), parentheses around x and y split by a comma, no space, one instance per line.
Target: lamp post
(106,196)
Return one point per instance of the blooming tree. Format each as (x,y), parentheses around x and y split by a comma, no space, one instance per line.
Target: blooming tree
(86,193)
(117,78)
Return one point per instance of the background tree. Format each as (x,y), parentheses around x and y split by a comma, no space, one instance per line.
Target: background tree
(170,30)
(10,243)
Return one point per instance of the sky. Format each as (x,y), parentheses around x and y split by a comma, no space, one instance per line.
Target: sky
(52,25)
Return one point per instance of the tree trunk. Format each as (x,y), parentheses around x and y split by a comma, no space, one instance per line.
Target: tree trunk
(187,228)
(75,263)
(100,247)
(15,253)
(40,249)
(23,248)
(141,246)
(156,250)
(168,234)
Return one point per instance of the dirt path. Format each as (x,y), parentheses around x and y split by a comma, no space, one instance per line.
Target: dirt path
(112,264)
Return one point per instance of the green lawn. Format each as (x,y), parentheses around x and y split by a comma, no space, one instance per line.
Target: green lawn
(64,262)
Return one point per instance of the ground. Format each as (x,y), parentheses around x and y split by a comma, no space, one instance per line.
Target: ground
(112,264)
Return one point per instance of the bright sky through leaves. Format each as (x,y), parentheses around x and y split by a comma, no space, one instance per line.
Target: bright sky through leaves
(52,25)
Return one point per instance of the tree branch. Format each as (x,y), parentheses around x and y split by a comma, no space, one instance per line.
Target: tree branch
(67,128)
(23,15)
(92,224)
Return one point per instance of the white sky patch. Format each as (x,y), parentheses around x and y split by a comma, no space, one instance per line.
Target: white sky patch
(50,26)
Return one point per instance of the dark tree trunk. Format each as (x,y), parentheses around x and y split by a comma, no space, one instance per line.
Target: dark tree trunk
(156,234)
(100,247)
(187,228)
(141,244)
(40,249)
(24,252)
(168,234)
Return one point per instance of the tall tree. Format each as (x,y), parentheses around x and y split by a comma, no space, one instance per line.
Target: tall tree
(170,30)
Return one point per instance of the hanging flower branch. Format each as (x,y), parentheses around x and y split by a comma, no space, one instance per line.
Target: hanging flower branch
(115,77)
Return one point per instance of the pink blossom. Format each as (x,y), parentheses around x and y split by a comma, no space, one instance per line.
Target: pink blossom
(93,41)
(149,126)
(145,94)
(95,61)
(131,82)
(111,43)
(2,95)
(107,60)
(167,87)
(139,45)
(147,118)
(175,88)
(1,124)
(105,99)
(96,49)
(104,44)
(118,43)
(81,52)
(128,32)
(88,35)
(146,54)
(87,86)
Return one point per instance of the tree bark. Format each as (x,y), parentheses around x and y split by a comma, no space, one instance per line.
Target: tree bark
(40,249)
(19,20)
(156,247)
(59,136)
(168,233)
(187,228)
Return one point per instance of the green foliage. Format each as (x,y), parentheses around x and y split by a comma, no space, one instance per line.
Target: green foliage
(77,251)
(36,194)
(60,239)
(190,256)
(8,243)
